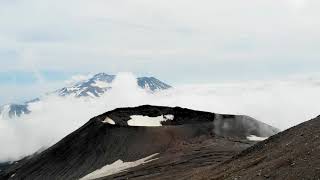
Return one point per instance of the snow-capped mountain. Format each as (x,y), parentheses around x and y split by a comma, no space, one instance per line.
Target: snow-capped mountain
(93,87)
(152,84)
(13,110)
(100,83)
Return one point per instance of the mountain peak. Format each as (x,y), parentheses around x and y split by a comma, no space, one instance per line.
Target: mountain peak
(151,83)
(99,83)
(93,87)
(103,76)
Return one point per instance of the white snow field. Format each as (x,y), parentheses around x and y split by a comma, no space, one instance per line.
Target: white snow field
(117,167)
(139,120)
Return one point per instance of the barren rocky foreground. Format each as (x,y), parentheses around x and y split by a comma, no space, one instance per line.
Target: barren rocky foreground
(181,159)
(292,154)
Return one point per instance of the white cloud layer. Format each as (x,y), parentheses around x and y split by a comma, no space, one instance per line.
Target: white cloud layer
(148,36)
(279,103)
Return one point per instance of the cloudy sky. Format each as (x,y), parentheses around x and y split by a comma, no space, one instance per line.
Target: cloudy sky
(43,43)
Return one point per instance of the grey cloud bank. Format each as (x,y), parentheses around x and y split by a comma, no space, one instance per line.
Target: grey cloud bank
(144,36)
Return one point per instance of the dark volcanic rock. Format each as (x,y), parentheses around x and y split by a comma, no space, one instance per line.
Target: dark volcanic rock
(181,158)
(4,166)
(188,139)
(292,154)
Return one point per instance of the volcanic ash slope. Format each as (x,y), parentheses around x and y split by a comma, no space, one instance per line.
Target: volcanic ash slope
(143,142)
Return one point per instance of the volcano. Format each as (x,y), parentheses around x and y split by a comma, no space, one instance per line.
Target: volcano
(142,142)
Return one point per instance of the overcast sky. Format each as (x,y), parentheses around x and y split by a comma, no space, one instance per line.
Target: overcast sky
(43,43)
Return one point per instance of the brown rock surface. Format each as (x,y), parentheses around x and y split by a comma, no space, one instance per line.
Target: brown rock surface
(292,154)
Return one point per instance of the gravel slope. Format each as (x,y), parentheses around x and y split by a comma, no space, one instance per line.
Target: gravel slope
(292,154)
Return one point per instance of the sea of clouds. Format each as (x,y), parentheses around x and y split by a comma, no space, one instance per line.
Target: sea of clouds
(282,104)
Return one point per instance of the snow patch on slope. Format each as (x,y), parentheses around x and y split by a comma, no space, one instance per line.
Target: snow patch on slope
(91,94)
(117,167)
(256,138)
(109,121)
(139,120)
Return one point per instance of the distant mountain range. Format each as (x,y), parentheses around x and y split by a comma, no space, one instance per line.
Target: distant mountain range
(93,87)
